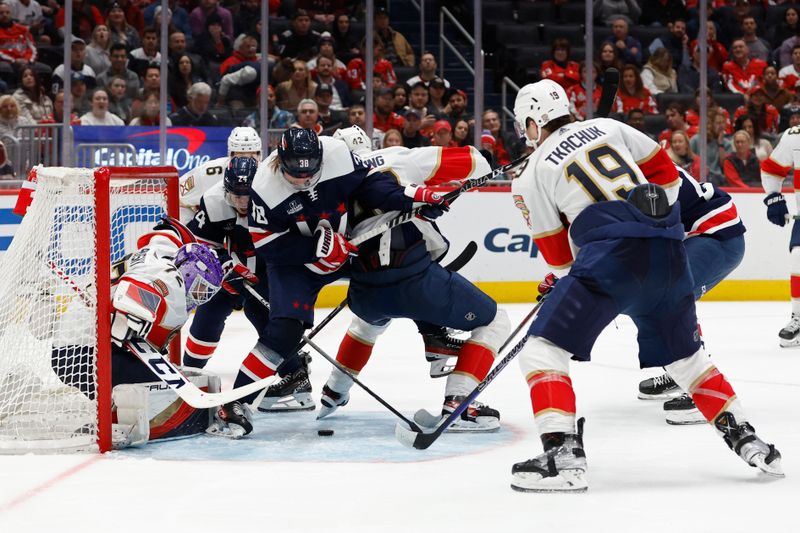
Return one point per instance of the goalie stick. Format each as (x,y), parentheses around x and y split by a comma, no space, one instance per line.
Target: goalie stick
(422,439)
(607,95)
(339,367)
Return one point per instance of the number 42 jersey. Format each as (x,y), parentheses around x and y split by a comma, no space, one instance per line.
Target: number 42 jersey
(580,164)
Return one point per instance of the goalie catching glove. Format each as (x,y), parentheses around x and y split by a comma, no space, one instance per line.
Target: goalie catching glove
(777,212)
(331,248)
(437,205)
(236,275)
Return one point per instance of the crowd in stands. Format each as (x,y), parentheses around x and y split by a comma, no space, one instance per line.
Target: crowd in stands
(753,77)
(317,73)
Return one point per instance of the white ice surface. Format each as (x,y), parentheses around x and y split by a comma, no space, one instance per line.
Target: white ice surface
(644,475)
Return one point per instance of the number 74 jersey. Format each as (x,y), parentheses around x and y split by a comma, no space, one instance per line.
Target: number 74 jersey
(580,164)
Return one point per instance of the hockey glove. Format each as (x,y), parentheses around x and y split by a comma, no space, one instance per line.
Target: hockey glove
(236,276)
(125,326)
(437,205)
(777,212)
(332,249)
(546,286)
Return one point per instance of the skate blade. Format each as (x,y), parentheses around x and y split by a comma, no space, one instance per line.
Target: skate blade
(773,469)
(792,343)
(686,422)
(296,402)
(662,396)
(570,481)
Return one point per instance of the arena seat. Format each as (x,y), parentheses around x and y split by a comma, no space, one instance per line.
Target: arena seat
(574,33)
(729,101)
(665,99)
(655,124)
(536,13)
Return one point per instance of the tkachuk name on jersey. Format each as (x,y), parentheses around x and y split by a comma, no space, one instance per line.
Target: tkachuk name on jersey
(573,142)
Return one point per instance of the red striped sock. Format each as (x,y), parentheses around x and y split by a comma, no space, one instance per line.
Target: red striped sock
(474,360)
(713,394)
(794,282)
(551,391)
(353,353)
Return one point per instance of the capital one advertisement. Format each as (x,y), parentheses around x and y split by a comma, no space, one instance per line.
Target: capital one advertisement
(186,147)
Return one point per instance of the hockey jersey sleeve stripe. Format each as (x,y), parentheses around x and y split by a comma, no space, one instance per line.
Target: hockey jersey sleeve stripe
(260,238)
(145,239)
(716,220)
(555,248)
(454,164)
(771,167)
(658,168)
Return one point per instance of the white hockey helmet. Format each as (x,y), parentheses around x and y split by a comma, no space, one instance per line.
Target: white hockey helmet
(542,102)
(244,139)
(356,139)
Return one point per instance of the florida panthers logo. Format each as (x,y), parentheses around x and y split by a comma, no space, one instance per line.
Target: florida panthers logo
(519,202)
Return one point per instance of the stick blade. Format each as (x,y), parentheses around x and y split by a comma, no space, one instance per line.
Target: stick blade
(405,434)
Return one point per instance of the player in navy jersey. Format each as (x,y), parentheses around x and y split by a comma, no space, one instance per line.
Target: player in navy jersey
(714,241)
(298,220)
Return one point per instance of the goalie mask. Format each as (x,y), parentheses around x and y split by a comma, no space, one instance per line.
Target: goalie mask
(300,154)
(201,271)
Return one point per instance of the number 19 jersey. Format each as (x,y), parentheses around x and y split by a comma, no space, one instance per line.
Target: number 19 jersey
(580,164)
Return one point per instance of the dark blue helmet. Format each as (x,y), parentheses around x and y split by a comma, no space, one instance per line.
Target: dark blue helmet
(300,152)
(650,199)
(239,175)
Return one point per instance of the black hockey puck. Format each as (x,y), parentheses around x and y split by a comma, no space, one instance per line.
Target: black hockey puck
(325,432)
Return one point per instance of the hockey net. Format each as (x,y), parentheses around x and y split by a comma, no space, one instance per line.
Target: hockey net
(55,393)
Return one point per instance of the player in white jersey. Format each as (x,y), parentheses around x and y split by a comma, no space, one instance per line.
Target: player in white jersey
(242,142)
(152,292)
(626,258)
(774,170)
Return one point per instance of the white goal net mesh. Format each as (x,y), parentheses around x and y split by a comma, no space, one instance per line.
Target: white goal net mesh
(49,304)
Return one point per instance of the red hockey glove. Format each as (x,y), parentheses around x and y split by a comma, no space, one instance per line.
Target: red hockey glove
(546,286)
(437,204)
(332,248)
(236,275)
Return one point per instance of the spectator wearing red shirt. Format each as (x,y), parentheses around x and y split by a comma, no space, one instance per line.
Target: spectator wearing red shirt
(790,74)
(384,118)
(693,116)
(632,93)
(675,122)
(742,168)
(560,69)
(717,53)
(759,110)
(577,93)
(442,134)
(742,73)
(84,16)
(16,42)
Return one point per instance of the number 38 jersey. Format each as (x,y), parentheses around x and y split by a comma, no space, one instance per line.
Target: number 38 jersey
(194,184)
(580,164)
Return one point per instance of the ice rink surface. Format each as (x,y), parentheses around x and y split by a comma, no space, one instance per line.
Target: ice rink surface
(644,475)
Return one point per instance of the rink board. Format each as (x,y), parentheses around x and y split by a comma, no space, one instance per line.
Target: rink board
(508,265)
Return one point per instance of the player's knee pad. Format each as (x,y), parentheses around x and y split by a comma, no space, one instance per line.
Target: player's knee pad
(493,334)
(689,369)
(364,331)
(147,411)
(541,354)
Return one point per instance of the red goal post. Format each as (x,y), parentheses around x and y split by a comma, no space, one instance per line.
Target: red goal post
(55,284)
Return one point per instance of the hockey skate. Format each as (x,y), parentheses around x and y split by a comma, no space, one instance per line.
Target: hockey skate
(661,387)
(331,401)
(291,393)
(789,336)
(476,418)
(440,351)
(561,468)
(742,439)
(233,420)
(682,411)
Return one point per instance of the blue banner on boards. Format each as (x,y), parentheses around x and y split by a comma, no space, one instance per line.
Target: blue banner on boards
(186,147)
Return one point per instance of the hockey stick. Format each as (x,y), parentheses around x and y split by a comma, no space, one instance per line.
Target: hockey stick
(185,389)
(422,440)
(339,367)
(608,93)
